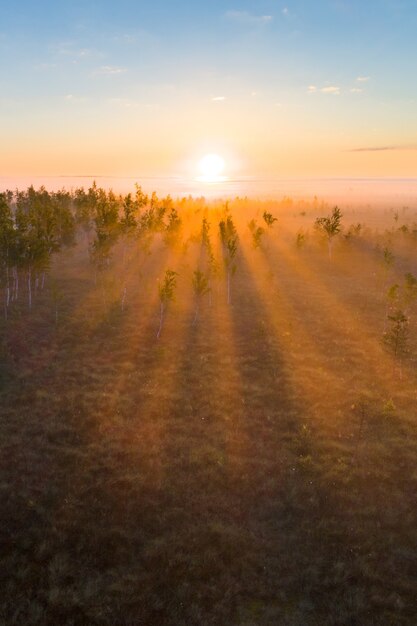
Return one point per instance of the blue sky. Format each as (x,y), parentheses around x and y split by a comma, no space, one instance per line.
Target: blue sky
(241,77)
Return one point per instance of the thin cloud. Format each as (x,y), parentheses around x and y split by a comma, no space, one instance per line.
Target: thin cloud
(218,98)
(70,49)
(356,90)
(124,103)
(111,70)
(384,148)
(363,79)
(244,17)
(332,90)
(75,99)
(285,12)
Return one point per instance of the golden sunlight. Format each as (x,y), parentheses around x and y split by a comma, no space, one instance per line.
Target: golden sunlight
(211,167)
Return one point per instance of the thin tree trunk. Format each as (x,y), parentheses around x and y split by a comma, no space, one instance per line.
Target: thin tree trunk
(17,285)
(197,310)
(30,288)
(161,319)
(103,292)
(7,287)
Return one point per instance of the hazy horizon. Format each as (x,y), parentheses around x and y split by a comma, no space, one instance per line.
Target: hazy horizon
(377,191)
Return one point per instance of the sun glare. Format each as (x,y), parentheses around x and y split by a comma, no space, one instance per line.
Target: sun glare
(211,167)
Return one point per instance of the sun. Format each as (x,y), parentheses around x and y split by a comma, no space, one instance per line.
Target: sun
(211,167)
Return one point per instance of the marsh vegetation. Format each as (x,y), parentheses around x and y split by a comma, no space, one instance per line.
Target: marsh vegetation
(208,411)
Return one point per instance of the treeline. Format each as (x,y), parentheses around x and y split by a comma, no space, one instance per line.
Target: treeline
(35,224)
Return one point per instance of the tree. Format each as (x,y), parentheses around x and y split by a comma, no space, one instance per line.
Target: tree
(166,291)
(201,288)
(269,219)
(257,233)
(173,228)
(6,248)
(396,337)
(330,226)
(212,264)
(230,240)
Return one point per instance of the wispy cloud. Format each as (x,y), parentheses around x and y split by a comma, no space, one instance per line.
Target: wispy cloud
(110,70)
(329,89)
(286,12)
(218,98)
(356,90)
(363,79)
(124,103)
(332,90)
(384,148)
(244,17)
(72,50)
(75,99)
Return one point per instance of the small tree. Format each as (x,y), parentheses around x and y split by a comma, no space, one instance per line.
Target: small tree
(229,239)
(269,219)
(396,337)
(166,294)
(410,289)
(257,233)
(300,239)
(173,228)
(201,288)
(330,226)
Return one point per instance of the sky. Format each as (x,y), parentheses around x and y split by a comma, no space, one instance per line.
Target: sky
(141,88)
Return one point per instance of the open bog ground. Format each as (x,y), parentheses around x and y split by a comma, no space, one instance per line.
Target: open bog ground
(255,465)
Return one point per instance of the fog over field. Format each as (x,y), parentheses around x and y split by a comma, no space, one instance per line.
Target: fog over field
(351,191)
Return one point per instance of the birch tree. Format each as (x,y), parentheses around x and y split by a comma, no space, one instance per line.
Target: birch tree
(229,238)
(330,226)
(166,291)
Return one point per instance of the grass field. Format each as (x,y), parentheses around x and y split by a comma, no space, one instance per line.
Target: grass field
(257,467)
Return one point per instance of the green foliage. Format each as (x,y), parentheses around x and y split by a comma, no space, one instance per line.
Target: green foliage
(403,295)
(330,226)
(167,286)
(354,231)
(387,258)
(410,289)
(200,284)
(229,238)
(128,221)
(269,219)
(257,233)
(396,337)
(106,222)
(173,228)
